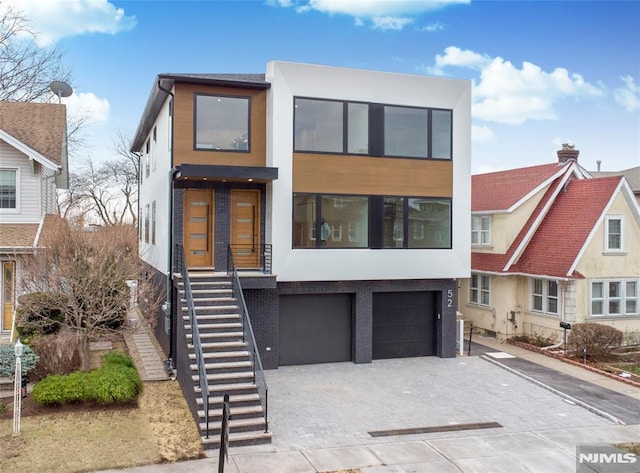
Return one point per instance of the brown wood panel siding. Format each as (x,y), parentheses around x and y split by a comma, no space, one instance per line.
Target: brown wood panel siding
(339,174)
(183,128)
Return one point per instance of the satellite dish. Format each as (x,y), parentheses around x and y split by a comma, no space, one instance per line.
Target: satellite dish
(61,89)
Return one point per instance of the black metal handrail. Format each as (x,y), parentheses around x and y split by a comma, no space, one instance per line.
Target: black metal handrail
(249,338)
(249,257)
(195,338)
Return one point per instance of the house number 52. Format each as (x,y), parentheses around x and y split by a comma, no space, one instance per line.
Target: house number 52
(449,297)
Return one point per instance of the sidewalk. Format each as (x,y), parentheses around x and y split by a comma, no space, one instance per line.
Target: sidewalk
(312,433)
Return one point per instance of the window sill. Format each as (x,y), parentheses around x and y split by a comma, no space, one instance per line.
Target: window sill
(544,314)
(475,305)
(611,317)
(614,253)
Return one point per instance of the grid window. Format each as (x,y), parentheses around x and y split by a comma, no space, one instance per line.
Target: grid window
(613,234)
(222,123)
(8,189)
(480,289)
(614,297)
(545,296)
(481,230)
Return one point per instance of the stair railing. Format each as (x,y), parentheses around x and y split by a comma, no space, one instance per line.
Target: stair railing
(195,338)
(259,378)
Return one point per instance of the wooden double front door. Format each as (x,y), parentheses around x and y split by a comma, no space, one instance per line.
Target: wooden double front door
(200,233)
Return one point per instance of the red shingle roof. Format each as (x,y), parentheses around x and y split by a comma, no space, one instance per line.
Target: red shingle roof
(557,242)
(41,126)
(500,190)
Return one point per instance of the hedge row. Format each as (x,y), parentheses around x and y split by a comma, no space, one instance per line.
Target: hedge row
(116,381)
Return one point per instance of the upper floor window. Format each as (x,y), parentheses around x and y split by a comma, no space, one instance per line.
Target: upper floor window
(8,189)
(613,233)
(333,126)
(614,297)
(480,289)
(222,123)
(545,296)
(481,230)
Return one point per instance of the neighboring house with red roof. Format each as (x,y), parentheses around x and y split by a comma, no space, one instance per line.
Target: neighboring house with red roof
(33,165)
(550,244)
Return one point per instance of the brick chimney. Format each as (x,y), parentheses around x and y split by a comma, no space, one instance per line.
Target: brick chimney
(567,152)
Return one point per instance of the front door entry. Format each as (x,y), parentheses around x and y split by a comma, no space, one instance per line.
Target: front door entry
(198,227)
(245,228)
(7,294)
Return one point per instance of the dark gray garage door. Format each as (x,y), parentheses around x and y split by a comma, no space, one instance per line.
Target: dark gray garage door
(404,324)
(315,329)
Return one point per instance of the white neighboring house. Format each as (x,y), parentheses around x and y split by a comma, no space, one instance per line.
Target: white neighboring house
(33,165)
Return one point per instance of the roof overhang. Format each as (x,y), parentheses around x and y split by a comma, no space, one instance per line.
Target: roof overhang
(225,173)
(164,85)
(31,153)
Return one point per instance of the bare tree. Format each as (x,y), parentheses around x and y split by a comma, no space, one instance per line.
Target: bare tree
(26,70)
(108,191)
(91,271)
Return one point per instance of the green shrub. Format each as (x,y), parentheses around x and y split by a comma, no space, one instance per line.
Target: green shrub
(117,358)
(40,313)
(49,391)
(115,384)
(76,388)
(3,407)
(8,360)
(116,381)
(597,339)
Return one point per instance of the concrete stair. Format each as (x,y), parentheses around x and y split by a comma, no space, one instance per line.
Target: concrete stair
(228,364)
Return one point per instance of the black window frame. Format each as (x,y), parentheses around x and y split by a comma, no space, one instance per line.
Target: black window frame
(375,223)
(248,99)
(376,129)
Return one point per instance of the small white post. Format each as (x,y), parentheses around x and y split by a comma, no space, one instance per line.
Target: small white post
(460,337)
(17,393)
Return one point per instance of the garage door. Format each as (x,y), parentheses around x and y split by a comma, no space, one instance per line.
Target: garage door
(315,329)
(404,324)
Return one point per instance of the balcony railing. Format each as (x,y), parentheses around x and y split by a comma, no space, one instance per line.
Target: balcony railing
(248,337)
(249,257)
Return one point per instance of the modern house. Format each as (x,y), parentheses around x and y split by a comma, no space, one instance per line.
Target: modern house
(552,244)
(340,197)
(33,165)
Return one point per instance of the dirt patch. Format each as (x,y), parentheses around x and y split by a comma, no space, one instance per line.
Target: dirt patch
(88,437)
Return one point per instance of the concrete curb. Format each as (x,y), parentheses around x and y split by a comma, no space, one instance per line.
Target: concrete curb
(589,407)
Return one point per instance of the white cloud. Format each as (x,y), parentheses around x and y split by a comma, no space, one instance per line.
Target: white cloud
(457,57)
(432,27)
(382,14)
(55,19)
(504,93)
(87,106)
(481,133)
(389,23)
(629,96)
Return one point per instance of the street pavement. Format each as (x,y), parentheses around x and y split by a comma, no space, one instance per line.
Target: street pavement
(501,409)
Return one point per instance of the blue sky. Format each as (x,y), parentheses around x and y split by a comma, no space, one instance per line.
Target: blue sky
(544,72)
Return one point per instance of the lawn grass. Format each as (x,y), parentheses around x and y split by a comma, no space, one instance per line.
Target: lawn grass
(158,429)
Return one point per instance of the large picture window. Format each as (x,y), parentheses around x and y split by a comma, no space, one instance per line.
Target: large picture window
(222,123)
(352,221)
(545,296)
(406,132)
(8,189)
(614,297)
(334,126)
